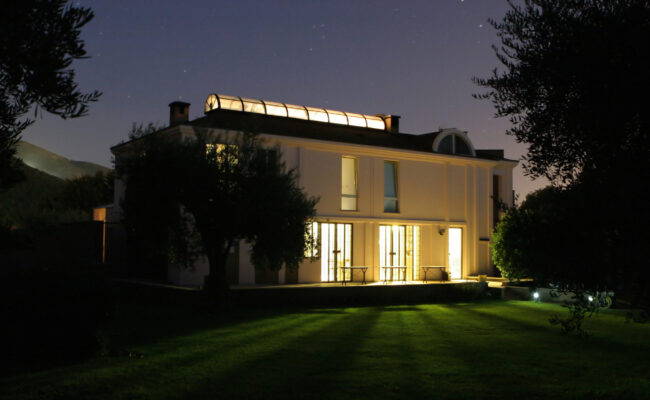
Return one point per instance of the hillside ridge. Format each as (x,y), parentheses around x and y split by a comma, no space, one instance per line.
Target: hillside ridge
(54,164)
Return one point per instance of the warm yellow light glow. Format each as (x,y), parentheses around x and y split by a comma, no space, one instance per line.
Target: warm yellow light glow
(337,117)
(211,103)
(99,214)
(356,119)
(297,112)
(220,150)
(375,122)
(317,114)
(254,106)
(336,251)
(455,252)
(312,240)
(220,101)
(348,183)
(399,252)
(230,103)
(273,108)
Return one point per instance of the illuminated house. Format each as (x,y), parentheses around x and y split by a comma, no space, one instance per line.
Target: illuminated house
(393,202)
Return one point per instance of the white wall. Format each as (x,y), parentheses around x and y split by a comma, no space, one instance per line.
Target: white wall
(435,191)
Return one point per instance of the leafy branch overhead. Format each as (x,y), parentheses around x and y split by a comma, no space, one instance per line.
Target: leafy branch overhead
(39,41)
(573,82)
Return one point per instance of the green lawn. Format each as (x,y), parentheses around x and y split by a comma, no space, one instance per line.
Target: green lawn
(480,350)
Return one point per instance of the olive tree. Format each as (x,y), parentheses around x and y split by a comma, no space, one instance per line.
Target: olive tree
(203,195)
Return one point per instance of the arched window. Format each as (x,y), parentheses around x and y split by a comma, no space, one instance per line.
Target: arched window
(453,141)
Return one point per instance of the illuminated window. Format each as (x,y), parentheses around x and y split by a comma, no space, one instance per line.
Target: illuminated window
(297,112)
(223,152)
(455,252)
(211,103)
(317,114)
(230,103)
(349,183)
(255,106)
(336,254)
(356,120)
(274,108)
(375,122)
(312,240)
(337,117)
(220,101)
(390,187)
(399,252)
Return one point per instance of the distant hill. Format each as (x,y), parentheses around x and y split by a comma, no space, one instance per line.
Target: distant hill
(54,164)
(22,199)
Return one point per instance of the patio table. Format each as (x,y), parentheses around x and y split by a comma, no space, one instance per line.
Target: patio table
(361,268)
(427,268)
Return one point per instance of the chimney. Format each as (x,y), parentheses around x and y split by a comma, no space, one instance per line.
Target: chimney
(179,112)
(392,123)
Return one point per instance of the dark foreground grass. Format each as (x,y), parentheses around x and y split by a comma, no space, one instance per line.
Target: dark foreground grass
(463,351)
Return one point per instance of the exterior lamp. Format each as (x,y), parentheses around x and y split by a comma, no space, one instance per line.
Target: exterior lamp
(590,298)
(536,297)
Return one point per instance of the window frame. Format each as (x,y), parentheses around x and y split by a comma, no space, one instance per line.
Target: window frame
(397,187)
(356,184)
(454,135)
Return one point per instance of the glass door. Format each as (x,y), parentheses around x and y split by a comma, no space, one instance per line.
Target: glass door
(399,246)
(336,252)
(455,252)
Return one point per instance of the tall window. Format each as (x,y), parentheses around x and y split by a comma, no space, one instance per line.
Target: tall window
(390,187)
(349,183)
(336,245)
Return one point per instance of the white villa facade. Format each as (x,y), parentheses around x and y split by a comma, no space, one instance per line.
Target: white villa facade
(396,204)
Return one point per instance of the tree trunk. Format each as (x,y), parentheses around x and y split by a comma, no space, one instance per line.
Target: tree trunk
(216,283)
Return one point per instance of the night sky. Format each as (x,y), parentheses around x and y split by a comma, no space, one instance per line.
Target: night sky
(409,58)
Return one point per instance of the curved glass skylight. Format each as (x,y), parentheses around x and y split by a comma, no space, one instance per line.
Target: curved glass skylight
(224,102)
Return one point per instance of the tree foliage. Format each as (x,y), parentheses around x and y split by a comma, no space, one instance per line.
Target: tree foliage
(84,193)
(549,238)
(139,130)
(586,238)
(202,195)
(39,40)
(574,83)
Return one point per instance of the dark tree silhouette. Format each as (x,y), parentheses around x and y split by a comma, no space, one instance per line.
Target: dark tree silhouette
(574,83)
(187,197)
(39,40)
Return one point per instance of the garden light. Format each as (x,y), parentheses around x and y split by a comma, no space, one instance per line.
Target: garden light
(590,298)
(536,296)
